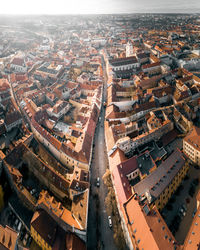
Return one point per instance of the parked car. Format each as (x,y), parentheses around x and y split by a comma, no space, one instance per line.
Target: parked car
(194,212)
(184,207)
(25,239)
(21,236)
(29,241)
(183,212)
(98,182)
(16,224)
(109,221)
(19,226)
(33,191)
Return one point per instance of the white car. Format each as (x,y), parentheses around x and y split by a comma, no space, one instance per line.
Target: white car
(33,191)
(109,221)
(98,182)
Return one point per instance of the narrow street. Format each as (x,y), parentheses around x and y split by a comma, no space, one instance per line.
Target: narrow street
(100,235)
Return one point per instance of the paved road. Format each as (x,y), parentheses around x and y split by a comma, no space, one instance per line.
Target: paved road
(100,236)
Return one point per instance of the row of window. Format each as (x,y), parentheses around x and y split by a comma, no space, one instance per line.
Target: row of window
(39,239)
(172,187)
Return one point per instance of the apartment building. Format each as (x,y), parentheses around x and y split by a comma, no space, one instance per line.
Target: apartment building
(158,187)
(8,238)
(125,63)
(50,236)
(191,145)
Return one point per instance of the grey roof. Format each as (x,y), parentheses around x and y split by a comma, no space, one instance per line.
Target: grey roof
(157,181)
(123,61)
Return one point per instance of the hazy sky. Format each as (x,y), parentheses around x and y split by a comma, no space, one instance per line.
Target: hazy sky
(96,6)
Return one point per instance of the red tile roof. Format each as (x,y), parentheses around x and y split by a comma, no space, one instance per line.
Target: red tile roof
(18,61)
(122,185)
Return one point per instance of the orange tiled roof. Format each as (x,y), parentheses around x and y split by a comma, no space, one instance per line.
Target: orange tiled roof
(192,138)
(58,209)
(147,228)
(8,237)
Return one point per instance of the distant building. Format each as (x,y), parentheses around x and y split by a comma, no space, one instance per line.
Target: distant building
(12,120)
(129,49)
(125,63)
(18,65)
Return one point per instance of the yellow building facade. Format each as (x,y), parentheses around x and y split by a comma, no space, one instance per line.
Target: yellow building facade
(171,188)
(39,240)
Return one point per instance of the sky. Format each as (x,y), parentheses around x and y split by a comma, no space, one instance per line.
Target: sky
(18,7)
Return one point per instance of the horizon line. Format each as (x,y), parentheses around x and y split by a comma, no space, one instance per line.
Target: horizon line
(92,14)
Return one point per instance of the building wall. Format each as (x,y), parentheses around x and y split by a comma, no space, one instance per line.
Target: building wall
(123,222)
(133,175)
(60,155)
(26,201)
(61,193)
(157,134)
(39,240)
(126,67)
(13,125)
(153,70)
(18,68)
(192,152)
(171,188)
(59,114)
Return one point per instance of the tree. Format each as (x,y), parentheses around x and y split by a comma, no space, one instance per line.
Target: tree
(107,178)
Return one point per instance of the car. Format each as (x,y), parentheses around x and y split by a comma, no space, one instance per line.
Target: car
(33,191)
(29,241)
(16,224)
(194,212)
(98,182)
(183,206)
(181,212)
(25,239)
(36,195)
(184,213)
(22,235)
(19,226)
(109,221)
